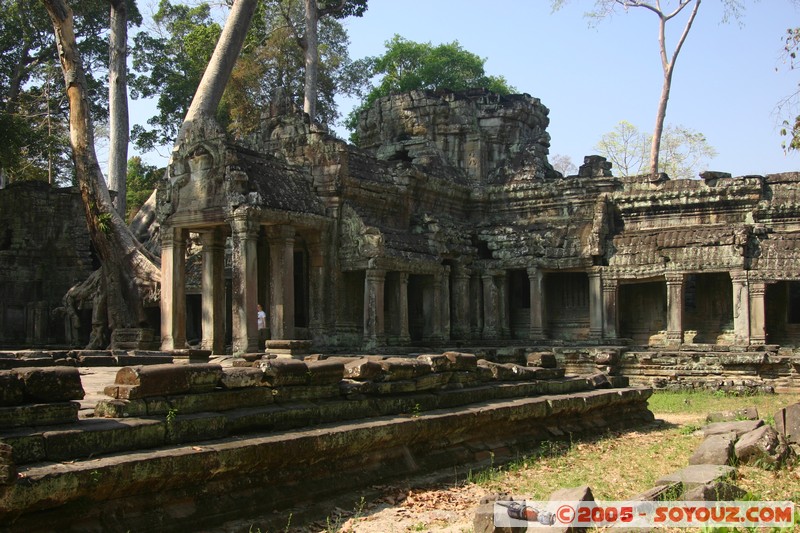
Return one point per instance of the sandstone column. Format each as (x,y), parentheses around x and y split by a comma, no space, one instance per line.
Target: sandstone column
(610,291)
(674,308)
(404,335)
(374,284)
(537,304)
(741,307)
(281,253)
(316,288)
(503,314)
(244,270)
(173,289)
(461,303)
(445,305)
(758,333)
(436,308)
(476,306)
(213,289)
(595,304)
(490,312)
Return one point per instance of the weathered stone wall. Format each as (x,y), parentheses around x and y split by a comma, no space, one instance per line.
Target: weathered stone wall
(44,250)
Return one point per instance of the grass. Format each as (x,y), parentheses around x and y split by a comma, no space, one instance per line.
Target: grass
(618,466)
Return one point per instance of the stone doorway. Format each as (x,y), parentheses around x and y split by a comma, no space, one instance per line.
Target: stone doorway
(567,305)
(642,311)
(708,308)
(783,312)
(519,303)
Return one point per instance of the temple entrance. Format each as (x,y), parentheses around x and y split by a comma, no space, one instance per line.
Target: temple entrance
(420,305)
(519,303)
(642,310)
(708,308)
(783,312)
(567,305)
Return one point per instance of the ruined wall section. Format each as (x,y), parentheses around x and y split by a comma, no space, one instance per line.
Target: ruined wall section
(44,250)
(776,228)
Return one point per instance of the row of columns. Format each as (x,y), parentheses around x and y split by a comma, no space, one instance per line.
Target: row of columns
(245,235)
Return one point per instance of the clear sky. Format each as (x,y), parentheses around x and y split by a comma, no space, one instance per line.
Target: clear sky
(728,79)
(725,85)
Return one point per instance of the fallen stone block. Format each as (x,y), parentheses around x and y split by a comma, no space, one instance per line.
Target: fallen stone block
(434,381)
(542,359)
(143,381)
(739,428)
(660,493)
(745,413)
(437,362)
(787,422)
(325,372)
(39,414)
(363,369)
(8,470)
(714,492)
(51,384)
(400,368)
(695,475)
(241,377)
(606,357)
(717,449)
(508,371)
(573,495)
(762,445)
(462,361)
(283,372)
(598,381)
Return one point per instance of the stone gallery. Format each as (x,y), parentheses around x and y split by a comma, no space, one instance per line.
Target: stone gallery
(449,225)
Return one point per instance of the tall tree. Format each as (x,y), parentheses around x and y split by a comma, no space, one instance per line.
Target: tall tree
(128,271)
(309,42)
(684,152)
(789,105)
(119,134)
(605,8)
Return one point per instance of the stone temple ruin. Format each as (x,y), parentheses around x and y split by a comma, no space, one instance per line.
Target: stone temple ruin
(463,302)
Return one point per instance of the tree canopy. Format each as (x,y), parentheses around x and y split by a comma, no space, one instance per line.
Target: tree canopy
(407,65)
(33,109)
(684,152)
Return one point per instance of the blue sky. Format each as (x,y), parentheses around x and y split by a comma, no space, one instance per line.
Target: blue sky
(728,78)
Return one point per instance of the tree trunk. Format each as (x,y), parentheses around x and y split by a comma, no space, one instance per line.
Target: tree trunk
(118,103)
(130,273)
(312,58)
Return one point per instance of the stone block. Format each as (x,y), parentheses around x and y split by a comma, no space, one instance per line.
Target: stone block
(462,361)
(762,445)
(108,435)
(542,359)
(241,377)
(12,388)
(434,381)
(659,493)
(695,475)
(97,360)
(717,449)
(296,393)
(606,357)
(745,413)
(51,384)
(39,414)
(437,362)
(739,427)
(27,446)
(325,372)
(117,408)
(574,495)
(363,369)
(163,380)
(787,422)
(8,470)
(282,372)
(714,492)
(400,368)
(195,427)
(598,381)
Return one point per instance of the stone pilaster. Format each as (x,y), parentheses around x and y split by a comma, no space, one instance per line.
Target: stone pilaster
(595,304)
(460,303)
(404,336)
(173,289)
(476,306)
(436,309)
(281,253)
(316,288)
(503,314)
(535,277)
(213,289)
(374,284)
(490,311)
(244,271)
(610,292)
(674,308)
(758,332)
(741,307)
(445,307)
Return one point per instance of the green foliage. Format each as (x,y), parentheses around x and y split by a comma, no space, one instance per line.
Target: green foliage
(791,127)
(33,110)
(408,65)
(171,62)
(684,152)
(142,179)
